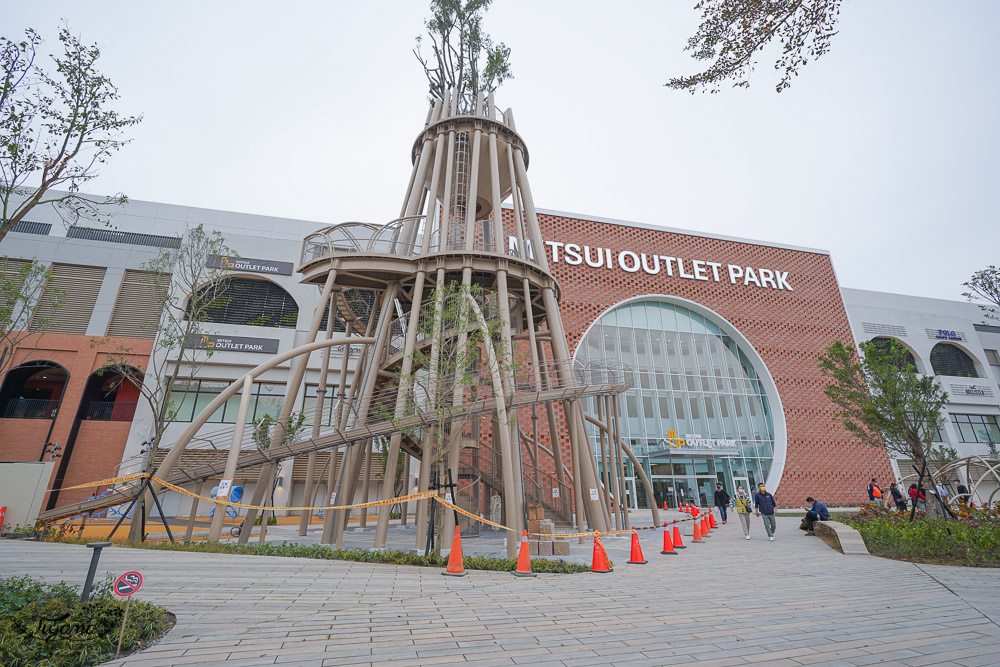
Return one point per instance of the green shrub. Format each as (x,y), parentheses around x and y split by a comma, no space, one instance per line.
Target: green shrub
(325,552)
(971,539)
(46,625)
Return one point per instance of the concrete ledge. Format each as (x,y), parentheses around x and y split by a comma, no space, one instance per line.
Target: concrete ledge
(842,537)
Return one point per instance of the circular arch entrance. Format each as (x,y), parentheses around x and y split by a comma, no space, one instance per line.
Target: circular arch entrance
(704,408)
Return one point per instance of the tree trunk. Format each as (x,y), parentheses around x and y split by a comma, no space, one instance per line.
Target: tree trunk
(926,484)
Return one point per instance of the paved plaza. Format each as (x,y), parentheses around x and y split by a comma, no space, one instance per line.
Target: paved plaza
(726,602)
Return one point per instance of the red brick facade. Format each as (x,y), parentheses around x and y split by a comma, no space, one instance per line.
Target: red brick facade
(788,328)
(98,446)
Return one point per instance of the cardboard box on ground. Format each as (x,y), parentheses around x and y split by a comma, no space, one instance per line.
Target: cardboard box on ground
(540,531)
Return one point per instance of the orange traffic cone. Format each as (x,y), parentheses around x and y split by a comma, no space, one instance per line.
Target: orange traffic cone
(711,521)
(697,532)
(678,544)
(695,512)
(601,564)
(665,506)
(668,545)
(524,559)
(635,558)
(456,566)
(704,527)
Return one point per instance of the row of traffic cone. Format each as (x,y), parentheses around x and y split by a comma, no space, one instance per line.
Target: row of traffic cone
(600,563)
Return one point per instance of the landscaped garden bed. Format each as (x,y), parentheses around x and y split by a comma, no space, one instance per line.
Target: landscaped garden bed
(46,625)
(324,552)
(972,538)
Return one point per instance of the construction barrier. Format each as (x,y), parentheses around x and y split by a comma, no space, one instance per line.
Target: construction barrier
(456,561)
(391,501)
(635,555)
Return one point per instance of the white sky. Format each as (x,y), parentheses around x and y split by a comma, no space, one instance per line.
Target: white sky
(883,152)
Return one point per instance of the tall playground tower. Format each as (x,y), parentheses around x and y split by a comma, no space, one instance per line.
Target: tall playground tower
(468,221)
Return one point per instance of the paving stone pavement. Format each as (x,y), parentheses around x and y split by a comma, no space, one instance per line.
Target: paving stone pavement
(726,602)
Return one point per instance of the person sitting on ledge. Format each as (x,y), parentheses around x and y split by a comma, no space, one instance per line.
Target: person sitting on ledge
(816,512)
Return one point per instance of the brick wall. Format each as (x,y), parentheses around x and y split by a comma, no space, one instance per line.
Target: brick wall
(99,445)
(788,328)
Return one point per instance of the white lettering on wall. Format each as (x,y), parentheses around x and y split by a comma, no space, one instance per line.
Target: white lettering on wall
(596,257)
(632,265)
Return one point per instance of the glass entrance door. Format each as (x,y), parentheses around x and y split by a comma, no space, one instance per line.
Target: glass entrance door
(687,490)
(630,495)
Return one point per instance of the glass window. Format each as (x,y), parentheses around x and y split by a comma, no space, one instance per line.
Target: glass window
(691,378)
(192,397)
(977,428)
(948,359)
(249,301)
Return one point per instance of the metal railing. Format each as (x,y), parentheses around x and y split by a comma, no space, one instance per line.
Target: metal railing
(403,237)
(111,411)
(30,408)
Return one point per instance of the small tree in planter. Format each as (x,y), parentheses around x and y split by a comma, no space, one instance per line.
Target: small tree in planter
(883,402)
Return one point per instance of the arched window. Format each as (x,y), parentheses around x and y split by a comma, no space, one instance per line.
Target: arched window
(884,344)
(111,395)
(33,390)
(248,301)
(948,359)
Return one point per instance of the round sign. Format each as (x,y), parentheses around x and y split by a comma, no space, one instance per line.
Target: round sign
(127,584)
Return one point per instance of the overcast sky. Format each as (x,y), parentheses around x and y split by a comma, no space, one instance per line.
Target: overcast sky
(883,152)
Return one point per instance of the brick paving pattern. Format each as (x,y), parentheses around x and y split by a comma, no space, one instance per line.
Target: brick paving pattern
(725,602)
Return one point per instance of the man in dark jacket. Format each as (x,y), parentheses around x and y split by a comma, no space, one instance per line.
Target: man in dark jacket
(721,500)
(765,505)
(816,512)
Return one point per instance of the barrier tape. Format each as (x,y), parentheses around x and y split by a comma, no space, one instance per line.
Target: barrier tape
(223,501)
(107,482)
(612,533)
(375,503)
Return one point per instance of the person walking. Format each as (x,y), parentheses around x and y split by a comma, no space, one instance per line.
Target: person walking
(919,498)
(721,500)
(764,505)
(744,505)
(897,497)
(815,512)
(874,492)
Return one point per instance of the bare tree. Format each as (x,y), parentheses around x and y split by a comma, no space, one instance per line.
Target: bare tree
(57,129)
(462,55)
(984,288)
(190,281)
(22,284)
(732,32)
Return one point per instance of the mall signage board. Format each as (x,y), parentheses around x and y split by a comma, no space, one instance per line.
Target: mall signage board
(234,344)
(695,441)
(946,334)
(628,261)
(250,265)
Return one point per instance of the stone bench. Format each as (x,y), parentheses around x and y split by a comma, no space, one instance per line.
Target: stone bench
(845,539)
